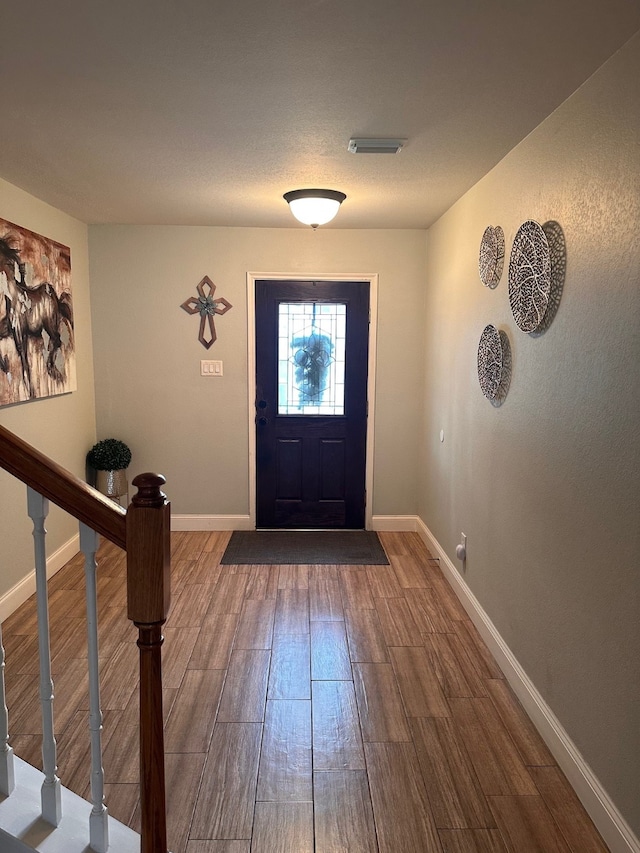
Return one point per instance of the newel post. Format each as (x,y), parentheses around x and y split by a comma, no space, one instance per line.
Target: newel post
(148,597)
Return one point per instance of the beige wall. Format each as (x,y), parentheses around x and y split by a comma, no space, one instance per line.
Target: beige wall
(63,427)
(194,430)
(546,487)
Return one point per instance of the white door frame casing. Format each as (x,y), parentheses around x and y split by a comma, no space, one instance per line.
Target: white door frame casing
(252,277)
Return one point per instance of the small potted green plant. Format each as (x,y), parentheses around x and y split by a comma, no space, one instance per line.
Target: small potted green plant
(110,458)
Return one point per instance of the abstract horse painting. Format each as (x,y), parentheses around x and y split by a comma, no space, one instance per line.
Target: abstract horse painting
(37,346)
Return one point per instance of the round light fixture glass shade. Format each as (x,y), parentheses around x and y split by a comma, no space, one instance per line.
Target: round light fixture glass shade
(314,207)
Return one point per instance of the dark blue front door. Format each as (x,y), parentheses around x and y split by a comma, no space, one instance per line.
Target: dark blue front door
(311,403)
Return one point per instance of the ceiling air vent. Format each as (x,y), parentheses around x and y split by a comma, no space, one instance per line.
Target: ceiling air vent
(376,146)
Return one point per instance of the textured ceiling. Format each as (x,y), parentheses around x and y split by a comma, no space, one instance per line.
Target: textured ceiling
(204,112)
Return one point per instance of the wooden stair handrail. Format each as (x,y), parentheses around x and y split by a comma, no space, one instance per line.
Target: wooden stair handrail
(63,488)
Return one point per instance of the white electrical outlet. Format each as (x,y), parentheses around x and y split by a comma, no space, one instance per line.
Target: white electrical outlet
(461,549)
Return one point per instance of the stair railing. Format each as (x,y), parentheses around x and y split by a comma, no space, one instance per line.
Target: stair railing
(143,531)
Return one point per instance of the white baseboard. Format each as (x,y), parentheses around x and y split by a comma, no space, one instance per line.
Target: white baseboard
(211,522)
(394,523)
(19,593)
(610,823)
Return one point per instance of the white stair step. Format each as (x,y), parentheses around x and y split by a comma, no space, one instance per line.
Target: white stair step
(19,817)
(9,844)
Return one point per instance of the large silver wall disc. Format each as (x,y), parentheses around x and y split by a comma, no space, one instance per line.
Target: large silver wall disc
(529,276)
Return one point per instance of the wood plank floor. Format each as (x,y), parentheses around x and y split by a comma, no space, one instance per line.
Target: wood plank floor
(308,708)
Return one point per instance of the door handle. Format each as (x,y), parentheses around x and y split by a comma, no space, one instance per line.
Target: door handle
(262,404)
(263,421)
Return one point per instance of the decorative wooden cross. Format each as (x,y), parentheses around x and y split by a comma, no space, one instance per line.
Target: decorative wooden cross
(205,305)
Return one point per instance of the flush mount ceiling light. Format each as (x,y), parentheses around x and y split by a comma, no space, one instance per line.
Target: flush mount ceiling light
(375,146)
(314,207)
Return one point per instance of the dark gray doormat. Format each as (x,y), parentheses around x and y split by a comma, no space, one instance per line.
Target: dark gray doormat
(330,547)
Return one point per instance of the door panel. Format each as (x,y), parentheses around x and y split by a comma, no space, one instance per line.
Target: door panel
(311,403)
(289,469)
(332,469)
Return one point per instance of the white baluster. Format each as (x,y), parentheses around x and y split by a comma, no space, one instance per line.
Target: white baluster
(7,774)
(38,509)
(98,821)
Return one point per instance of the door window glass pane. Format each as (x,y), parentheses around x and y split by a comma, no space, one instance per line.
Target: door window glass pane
(311,357)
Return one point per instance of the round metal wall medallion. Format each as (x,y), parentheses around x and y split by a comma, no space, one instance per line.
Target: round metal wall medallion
(491,258)
(529,276)
(490,362)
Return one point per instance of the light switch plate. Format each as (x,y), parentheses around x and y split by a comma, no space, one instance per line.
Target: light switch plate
(210,368)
